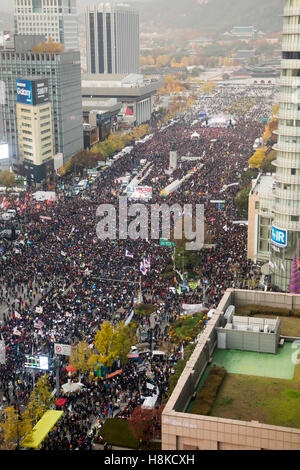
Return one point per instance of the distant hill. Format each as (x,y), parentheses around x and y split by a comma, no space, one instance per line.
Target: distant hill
(212,15)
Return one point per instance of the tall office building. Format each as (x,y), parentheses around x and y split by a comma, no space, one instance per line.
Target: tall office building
(34,120)
(112,39)
(63,72)
(53,18)
(286,192)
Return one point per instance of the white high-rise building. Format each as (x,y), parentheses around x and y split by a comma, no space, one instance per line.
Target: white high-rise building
(286,192)
(53,18)
(112,39)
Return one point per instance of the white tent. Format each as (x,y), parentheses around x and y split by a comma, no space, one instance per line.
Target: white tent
(195,135)
(70,387)
(44,196)
(149,402)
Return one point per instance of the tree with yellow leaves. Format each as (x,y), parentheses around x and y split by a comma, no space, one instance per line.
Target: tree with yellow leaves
(162,60)
(105,345)
(49,46)
(208,87)
(125,338)
(257,158)
(151,60)
(112,343)
(15,426)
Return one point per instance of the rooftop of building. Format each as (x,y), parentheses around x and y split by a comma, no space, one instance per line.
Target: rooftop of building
(114,80)
(257,387)
(262,186)
(111,85)
(243,29)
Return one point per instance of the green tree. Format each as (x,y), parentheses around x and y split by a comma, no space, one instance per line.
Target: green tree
(7,179)
(241,201)
(125,337)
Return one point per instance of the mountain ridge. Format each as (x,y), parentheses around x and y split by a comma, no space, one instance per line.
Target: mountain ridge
(213,15)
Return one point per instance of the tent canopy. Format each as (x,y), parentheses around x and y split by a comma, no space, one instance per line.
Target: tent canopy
(41,429)
(72,387)
(149,402)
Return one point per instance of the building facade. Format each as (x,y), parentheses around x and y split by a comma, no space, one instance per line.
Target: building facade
(63,73)
(53,18)
(286,194)
(112,39)
(260,219)
(34,121)
(134,93)
(184,430)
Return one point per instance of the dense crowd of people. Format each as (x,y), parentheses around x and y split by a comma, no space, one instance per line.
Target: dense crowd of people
(60,282)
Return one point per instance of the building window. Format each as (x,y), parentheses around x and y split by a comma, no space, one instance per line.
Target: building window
(294,218)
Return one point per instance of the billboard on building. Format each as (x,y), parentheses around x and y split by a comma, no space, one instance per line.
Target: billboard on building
(279,237)
(32,92)
(4,152)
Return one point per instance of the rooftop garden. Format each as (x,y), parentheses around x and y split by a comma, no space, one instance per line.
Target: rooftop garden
(263,399)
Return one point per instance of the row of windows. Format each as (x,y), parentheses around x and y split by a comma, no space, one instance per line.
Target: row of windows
(28,57)
(291,55)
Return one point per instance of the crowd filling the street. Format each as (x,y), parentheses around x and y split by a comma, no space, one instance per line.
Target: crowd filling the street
(60,282)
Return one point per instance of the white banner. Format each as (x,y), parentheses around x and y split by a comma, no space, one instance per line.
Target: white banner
(192,308)
(142,192)
(62,349)
(2,352)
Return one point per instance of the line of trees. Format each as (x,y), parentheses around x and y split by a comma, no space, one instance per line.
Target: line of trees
(15,424)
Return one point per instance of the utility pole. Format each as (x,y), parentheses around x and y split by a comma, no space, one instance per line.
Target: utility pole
(57,364)
(140,299)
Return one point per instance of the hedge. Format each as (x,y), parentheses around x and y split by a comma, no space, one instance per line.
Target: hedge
(248,310)
(117,432)
(209,390)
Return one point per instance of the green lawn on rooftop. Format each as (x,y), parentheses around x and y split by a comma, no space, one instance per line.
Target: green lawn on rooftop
(268,400)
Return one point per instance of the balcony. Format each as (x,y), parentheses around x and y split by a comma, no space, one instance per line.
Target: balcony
(288,98)
(290,81)
(286,163)
(291,29)
(286,179)
(291,11)
(290,63)
(293,226)
(287,195)
(288,114)
(287,147)
(281,208)
(290,46)
(288,130)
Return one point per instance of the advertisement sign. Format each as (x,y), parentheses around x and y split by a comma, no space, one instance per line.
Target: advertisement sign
(24,91)
(32,92)
(62,349)
(279,237)
(40,91)
(37,362)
